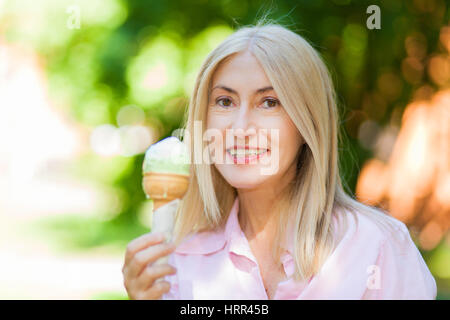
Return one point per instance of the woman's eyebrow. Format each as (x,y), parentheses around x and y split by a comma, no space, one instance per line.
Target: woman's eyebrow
(261,90)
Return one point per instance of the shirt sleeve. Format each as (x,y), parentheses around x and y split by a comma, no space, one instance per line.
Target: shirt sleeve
(173,293)
(400,272)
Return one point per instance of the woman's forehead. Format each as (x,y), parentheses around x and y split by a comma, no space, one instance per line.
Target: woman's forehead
(239,66)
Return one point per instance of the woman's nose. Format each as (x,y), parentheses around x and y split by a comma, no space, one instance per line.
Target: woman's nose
(243,123)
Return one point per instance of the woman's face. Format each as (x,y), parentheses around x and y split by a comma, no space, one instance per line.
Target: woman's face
(259,142)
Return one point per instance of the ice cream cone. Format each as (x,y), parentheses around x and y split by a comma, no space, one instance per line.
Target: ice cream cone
(166,173)
(164,187)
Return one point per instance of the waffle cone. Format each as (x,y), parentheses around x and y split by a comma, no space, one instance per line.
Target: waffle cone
(164,187)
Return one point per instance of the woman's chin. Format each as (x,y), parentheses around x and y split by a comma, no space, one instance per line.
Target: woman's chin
(243,176)
(245,181)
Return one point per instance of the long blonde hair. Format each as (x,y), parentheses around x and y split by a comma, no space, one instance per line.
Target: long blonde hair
(305,89)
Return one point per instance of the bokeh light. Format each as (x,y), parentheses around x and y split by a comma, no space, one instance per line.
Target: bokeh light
(130,115)
(128,140)
(155,73)
(413,184)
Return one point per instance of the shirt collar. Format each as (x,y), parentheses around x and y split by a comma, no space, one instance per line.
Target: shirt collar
(208,242)
(238,243)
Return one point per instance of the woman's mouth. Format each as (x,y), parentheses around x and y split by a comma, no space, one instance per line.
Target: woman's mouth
(246,155)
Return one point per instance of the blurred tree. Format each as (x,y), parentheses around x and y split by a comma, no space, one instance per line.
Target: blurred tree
(121,47)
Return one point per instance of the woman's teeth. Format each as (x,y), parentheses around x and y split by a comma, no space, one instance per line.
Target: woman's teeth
(246,152)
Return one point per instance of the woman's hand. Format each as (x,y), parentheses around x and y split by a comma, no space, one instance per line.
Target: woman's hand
(142,276)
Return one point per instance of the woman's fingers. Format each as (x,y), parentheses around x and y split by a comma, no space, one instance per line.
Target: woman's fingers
(151,274)
(140,243)
(154,292)
(148,256)
(139,271)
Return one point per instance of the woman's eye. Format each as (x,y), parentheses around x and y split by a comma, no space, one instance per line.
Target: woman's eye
(226,102)
(271,103)
(267,104)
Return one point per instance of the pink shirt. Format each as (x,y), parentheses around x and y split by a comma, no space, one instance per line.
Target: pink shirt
(366,264)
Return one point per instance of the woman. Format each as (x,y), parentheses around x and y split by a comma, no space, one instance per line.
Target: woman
(269,218)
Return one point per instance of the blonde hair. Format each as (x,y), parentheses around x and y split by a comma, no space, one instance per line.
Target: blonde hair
(304,87)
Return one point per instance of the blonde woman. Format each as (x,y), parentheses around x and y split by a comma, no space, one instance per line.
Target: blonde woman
(267,217)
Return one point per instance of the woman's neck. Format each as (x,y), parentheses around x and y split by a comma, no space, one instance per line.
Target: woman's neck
(258,210)
(256,214)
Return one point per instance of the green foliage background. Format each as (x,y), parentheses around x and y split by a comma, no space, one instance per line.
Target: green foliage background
(95,70)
